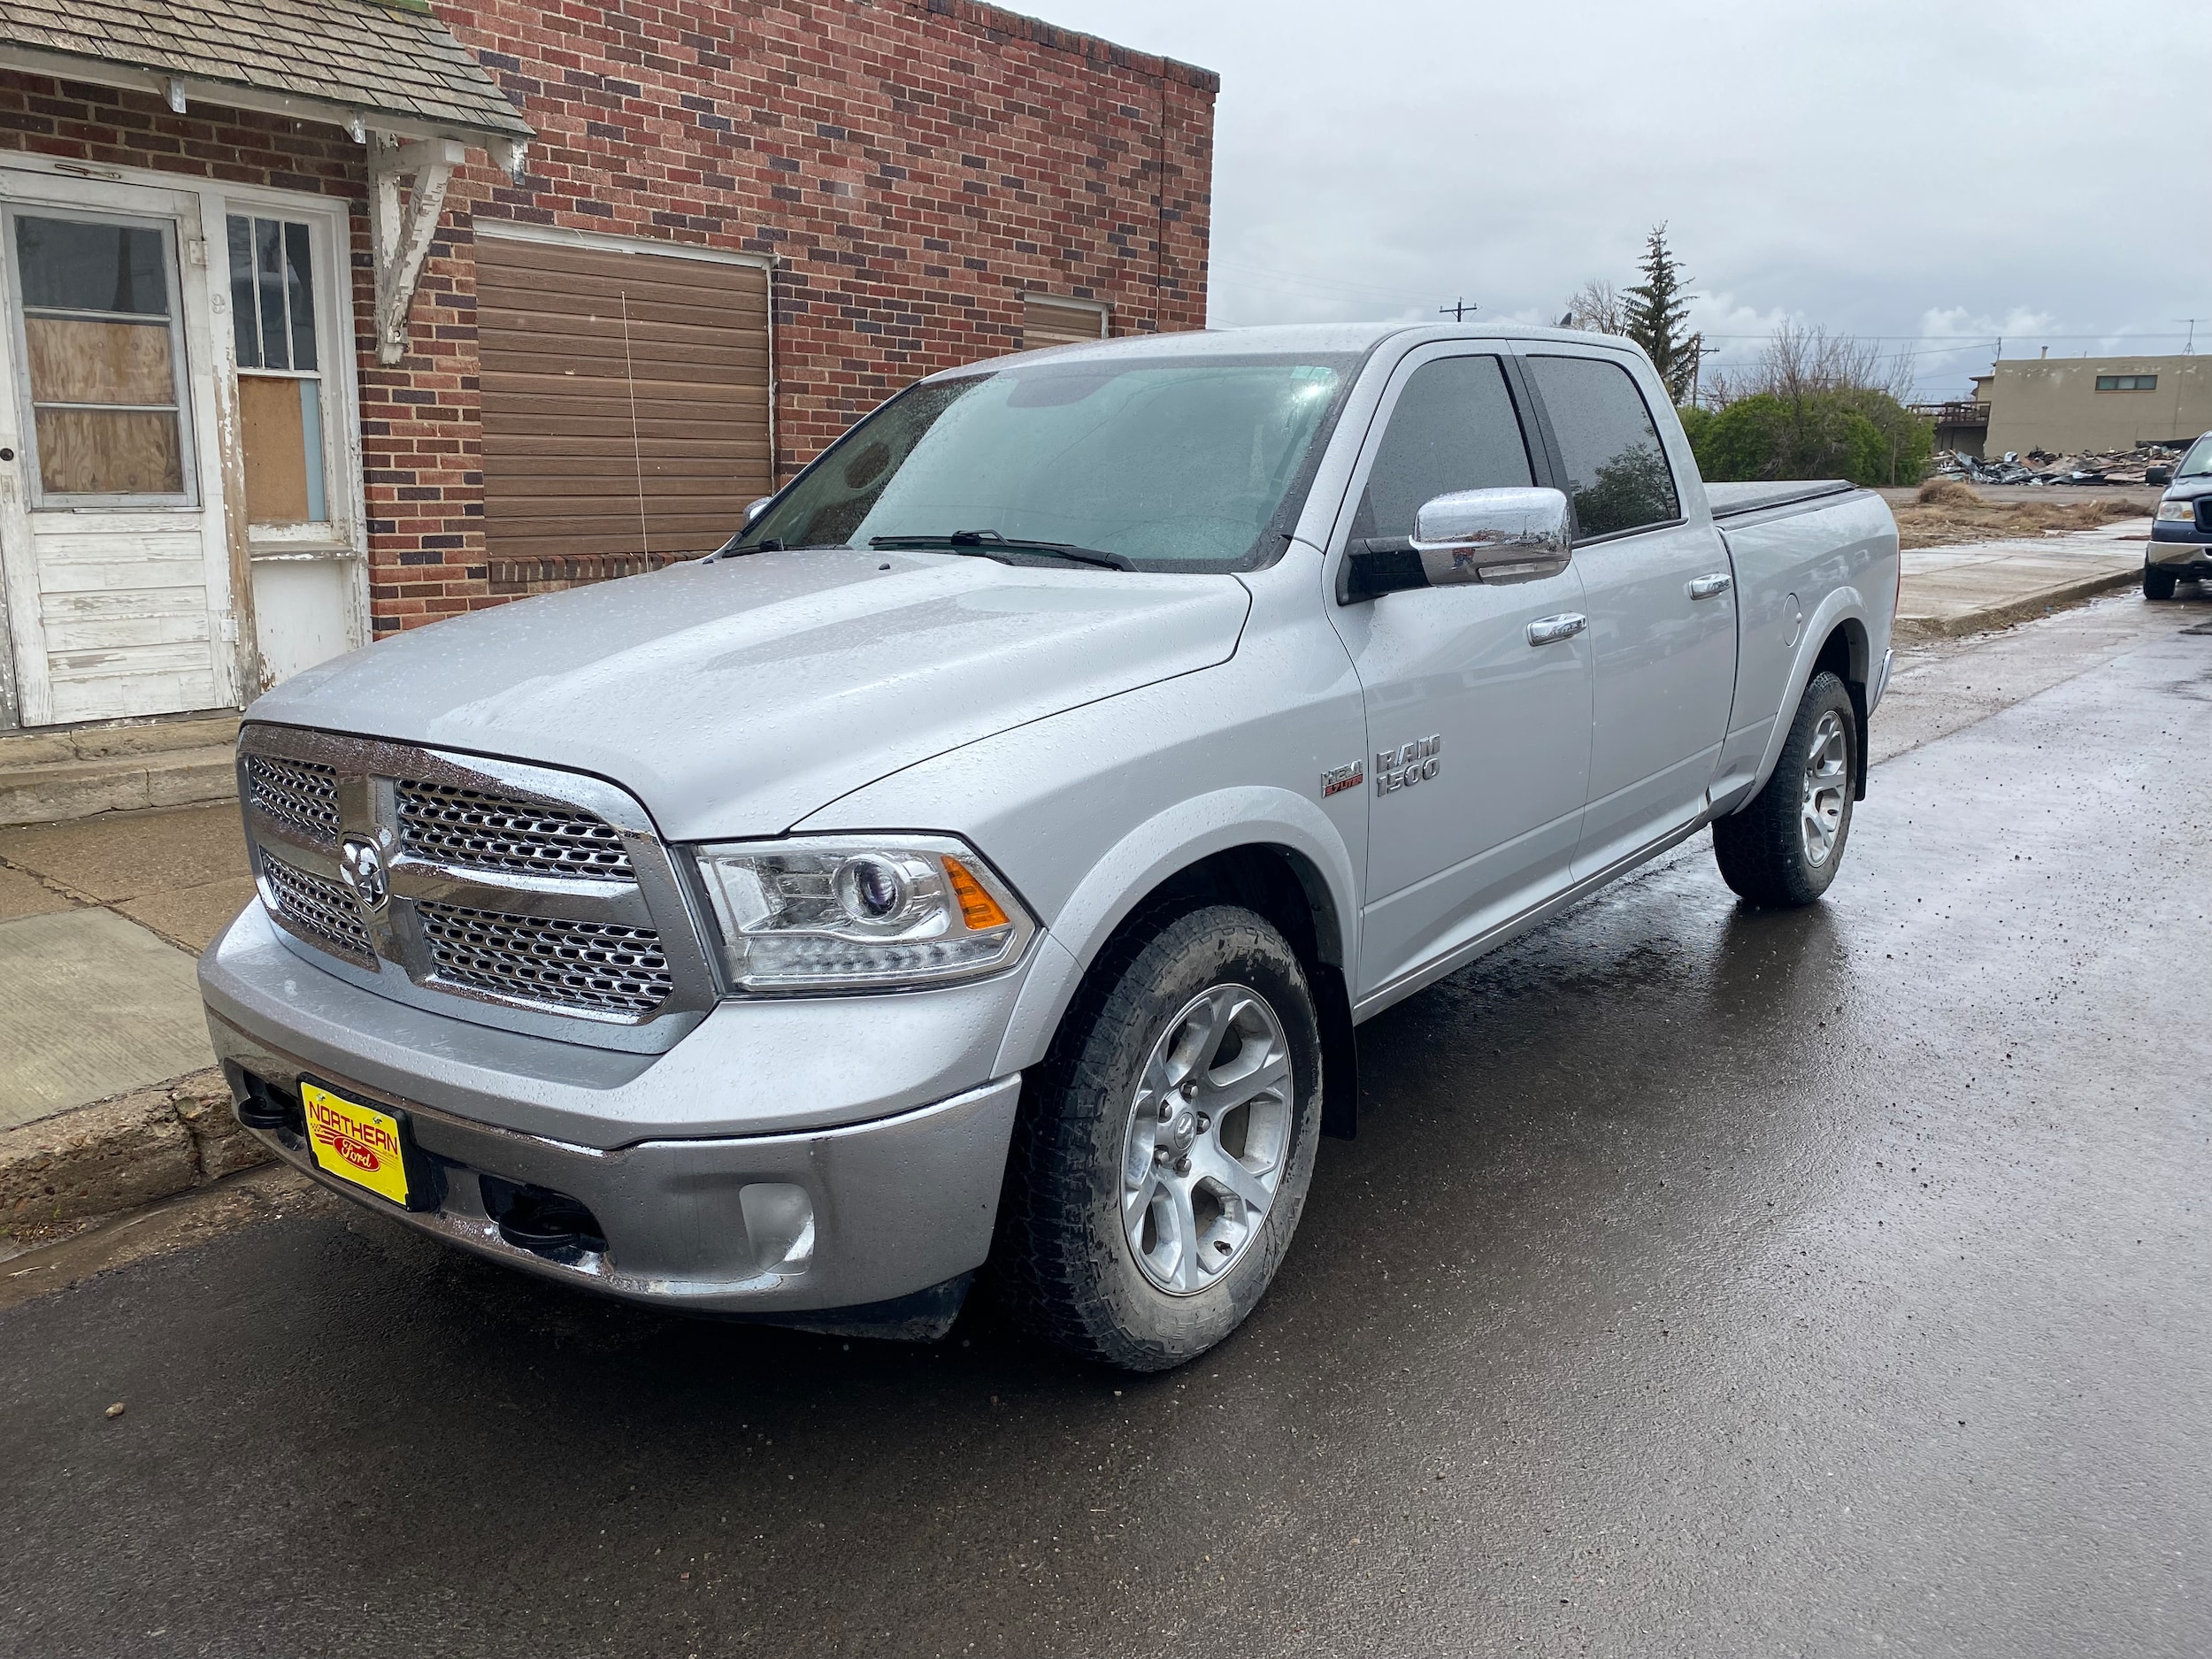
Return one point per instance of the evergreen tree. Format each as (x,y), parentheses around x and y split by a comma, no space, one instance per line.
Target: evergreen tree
(1656,309)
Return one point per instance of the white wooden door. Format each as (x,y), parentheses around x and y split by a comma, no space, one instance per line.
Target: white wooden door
(112,536)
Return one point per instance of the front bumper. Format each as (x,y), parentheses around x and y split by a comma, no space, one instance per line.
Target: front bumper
(893,1198)
(2174,543)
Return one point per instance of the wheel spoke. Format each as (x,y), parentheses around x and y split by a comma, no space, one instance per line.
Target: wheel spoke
(1228,1173)
(1193,1045)
(1185,1221)
(1271,1073)
(1136,1198)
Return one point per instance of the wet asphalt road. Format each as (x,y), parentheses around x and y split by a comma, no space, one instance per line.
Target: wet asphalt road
(1703,1281)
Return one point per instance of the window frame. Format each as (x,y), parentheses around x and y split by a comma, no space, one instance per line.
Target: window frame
(1629,366)
(1542,465)
(39,498)
(338,533)
(2133,383)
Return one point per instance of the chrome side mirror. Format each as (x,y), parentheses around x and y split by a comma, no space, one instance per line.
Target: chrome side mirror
(1493,535)
(1473,536)
(753,509)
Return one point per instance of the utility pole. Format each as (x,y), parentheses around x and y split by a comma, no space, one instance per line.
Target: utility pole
(1457,310)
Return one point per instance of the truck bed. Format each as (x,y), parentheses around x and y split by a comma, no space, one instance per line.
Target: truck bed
(1733,501)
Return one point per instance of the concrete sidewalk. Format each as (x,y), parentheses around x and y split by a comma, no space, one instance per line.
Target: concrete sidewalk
(108,1097)
(1949,591)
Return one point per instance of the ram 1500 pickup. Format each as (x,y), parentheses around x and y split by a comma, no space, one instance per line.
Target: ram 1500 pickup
(984,859)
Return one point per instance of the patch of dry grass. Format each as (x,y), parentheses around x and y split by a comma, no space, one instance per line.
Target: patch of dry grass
(1948,511)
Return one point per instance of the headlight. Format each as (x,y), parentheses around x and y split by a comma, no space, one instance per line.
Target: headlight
(860,912)
(2182,511)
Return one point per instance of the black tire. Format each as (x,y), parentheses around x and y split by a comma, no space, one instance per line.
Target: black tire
(1762,849)
(2158,582)
(1063,1264)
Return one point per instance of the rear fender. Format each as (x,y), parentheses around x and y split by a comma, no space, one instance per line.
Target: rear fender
(1841,606)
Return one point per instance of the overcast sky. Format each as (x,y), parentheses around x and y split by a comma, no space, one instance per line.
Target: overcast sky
(1940,174)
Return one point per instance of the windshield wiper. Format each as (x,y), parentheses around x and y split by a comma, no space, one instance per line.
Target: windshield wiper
(732,548)
(990,543)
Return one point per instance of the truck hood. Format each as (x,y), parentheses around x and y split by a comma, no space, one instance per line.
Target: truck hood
(735,698)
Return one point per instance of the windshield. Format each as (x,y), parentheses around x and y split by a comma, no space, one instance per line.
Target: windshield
(1163,464)
(2198,462)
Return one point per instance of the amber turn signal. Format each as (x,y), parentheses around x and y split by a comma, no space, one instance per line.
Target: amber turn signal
(978,908)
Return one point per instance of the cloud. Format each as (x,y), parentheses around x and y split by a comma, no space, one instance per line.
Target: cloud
(1880,168)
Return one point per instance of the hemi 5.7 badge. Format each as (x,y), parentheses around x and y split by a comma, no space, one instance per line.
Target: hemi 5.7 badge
(1337,780)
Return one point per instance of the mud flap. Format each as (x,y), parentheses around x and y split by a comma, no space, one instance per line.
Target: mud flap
(923,1316)
(1340,1055)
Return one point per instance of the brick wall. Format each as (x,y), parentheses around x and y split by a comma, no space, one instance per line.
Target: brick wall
(911,166)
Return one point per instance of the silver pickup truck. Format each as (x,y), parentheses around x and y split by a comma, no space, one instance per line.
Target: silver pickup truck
(984,860)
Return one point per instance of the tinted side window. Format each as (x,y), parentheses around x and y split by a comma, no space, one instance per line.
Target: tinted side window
(1454,429)
(1616,470)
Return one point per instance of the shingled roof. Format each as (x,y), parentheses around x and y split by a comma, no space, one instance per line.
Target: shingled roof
(342,58)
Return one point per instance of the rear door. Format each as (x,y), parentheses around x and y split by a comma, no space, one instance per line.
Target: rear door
(1661,601)
(1478,739)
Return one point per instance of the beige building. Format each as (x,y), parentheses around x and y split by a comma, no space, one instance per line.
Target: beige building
(2068,405)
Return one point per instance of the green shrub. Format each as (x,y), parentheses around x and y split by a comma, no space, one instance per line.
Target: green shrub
(1695,418)
(1866,436)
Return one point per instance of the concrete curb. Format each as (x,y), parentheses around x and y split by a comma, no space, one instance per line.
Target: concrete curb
(1912,629)
(119,1153)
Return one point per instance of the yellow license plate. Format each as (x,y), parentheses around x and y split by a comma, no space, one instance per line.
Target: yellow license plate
(355,1142)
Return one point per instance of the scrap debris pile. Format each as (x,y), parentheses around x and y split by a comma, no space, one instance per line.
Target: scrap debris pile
(2145,463)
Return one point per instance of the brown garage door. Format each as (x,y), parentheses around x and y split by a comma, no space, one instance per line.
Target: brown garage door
(626,399)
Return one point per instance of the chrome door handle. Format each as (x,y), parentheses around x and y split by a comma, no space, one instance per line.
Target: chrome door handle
(1551,630)
(1708,587)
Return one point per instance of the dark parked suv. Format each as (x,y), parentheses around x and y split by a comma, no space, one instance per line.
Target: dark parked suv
(2181,536)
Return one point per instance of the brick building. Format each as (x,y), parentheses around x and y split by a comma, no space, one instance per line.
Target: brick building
(329,317)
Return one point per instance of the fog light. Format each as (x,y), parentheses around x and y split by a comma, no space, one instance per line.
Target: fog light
(779,1221)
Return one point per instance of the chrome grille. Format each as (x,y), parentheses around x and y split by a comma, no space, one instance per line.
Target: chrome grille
(295,791)
(598,966)
(518,895)
(321,908)
(469,830)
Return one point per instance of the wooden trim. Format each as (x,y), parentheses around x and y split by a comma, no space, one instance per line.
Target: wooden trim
(602,241)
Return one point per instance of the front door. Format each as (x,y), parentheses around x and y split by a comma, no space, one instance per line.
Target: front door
(112,541)
(1479,735)
(1661,609)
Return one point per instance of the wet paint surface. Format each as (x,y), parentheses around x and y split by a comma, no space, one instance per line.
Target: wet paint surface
(1702,1280)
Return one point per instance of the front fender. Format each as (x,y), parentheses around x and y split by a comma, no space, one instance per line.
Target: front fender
(1172,840)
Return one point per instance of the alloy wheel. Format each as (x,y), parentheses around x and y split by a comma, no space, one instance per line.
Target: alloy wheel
(1827,785)
(1207,1138)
